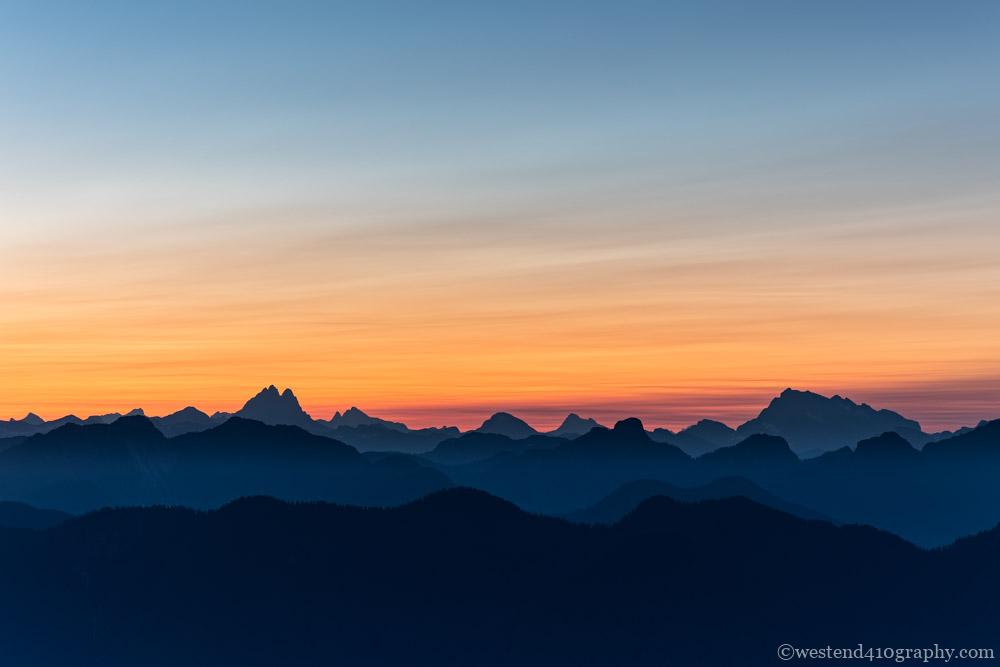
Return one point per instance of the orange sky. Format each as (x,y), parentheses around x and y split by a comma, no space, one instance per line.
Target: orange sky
(446,322)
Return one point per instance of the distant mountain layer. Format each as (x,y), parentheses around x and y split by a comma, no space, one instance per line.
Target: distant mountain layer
(464,578)
(811,423)
(130,462)
(478,446)
(504,423)
(574,426)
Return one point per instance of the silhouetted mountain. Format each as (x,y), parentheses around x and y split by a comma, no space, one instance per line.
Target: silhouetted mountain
(354,417)
(705,436)
(812,423)
(188,420)
(378,438)
(574,425)
(31,419)
(712,431)
(626,498)
(77,468)
(465,579)
(274,408)
(244,457)
(981,444)
(32,424)
(758,452)
(239,440)
(503,423)
(627,441)
(943,435)
(930,497)
(477,446)
(890,448)
(577,472)
(29,425)
(21,515)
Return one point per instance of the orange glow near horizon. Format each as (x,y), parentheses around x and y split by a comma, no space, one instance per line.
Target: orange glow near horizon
(443,325)
(660,212)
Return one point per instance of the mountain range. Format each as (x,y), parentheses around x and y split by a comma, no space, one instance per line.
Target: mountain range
(811,423)
(930,495)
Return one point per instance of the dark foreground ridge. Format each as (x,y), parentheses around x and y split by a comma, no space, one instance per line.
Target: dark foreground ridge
(463,578)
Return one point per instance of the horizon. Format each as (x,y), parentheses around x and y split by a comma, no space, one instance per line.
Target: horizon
(646,207)
(541,419)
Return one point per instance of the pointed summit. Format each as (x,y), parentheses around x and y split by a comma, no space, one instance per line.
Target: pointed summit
(190,412)
(31,419)
(271,407)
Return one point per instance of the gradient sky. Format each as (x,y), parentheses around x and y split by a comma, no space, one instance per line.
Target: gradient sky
(438,210)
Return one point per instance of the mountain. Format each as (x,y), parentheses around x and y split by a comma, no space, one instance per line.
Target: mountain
(504,423)
(627,497)
(628,440)
(889,448)
(240,440)
(31,419)
(187,420)
(477,446)
(130,462)
(574,425)
(353,417)
(376,437)
(32,424)
(758,452)
(981,444)
(78,467)
(574,473)
(464,578)
(812,423)
(697,439)
(243,457)
(274,408)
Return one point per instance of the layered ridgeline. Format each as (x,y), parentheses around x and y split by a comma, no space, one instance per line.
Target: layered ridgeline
(130,462)
(269,406)
(464,578)
(809,422)
(930,495)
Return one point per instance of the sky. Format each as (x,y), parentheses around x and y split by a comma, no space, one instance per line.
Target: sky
(438,210)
